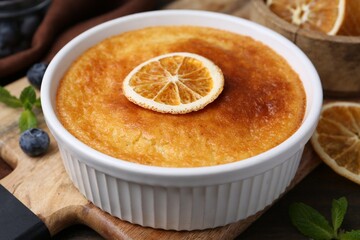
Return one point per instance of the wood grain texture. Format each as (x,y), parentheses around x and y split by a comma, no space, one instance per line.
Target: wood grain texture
(42,184)
(336,58)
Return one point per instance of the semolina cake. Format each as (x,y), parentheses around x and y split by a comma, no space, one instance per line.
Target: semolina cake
(262,103)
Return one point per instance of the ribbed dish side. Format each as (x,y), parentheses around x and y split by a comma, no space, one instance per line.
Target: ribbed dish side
(180,208)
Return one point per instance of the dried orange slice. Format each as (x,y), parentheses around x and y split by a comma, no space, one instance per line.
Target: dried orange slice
(174,83)
(319,15)
(337,138)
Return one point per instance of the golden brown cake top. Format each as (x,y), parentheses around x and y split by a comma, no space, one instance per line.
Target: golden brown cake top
(262,104)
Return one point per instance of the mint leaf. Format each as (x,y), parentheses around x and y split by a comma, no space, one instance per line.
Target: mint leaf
(338,210)
(352,235)
(310,222)
(27,100)
(27,120)
(8,99)
(28,97)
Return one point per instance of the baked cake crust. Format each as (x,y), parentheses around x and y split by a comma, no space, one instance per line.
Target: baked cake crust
(262,104)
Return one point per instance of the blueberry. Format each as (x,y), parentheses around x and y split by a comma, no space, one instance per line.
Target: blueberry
(9,34)
(29,25)
(5,51)
(34,142)
(36,73)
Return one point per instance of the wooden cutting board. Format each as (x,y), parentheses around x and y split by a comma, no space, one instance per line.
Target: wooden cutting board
(44,187)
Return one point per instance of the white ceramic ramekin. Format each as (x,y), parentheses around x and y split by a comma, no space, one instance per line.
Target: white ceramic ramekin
(181,198)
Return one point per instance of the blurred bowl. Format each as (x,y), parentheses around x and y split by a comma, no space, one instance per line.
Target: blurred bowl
(181,198)
(336,58)
(19,19)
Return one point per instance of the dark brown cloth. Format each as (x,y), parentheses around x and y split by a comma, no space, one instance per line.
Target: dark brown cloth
(64,20)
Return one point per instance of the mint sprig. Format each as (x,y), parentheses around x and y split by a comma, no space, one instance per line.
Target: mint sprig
(27,101)
(338,211)
(11,101)
(314,225)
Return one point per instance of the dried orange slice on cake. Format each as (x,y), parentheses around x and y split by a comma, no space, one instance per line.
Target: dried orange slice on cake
(319,15)
(174,83)
(337,138)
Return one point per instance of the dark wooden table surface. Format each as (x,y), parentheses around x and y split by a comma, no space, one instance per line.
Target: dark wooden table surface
(317,190)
